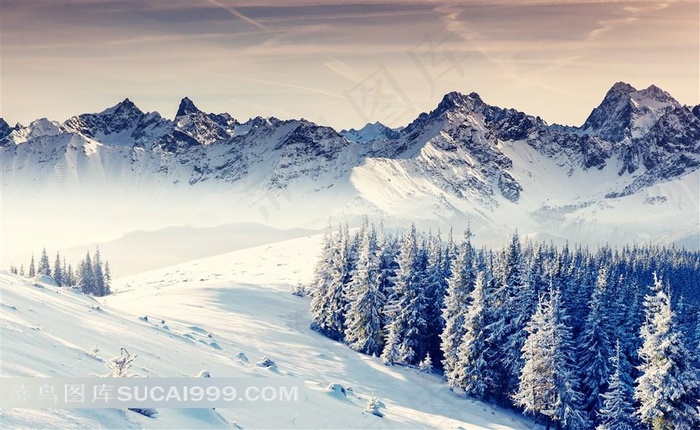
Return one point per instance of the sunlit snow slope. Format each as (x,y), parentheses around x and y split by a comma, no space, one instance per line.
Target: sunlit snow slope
(201,316)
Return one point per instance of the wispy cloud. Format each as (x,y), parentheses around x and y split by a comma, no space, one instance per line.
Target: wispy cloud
(632,14)
(234,12)
(282,84)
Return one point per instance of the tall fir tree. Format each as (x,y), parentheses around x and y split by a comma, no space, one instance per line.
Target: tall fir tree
(669,386)
(366,301)
(595,346)
(328,306)
(70,276)
(617,412)
(44,267)
(322,282)
(87,275)
(32,269)
(66,275)
(471,371)
(107,279)
(99,275)
(547,385)
(459,285)
(435,285)
(512,304)
(58,271)
(407,332)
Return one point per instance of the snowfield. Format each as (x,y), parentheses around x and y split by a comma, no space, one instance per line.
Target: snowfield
(222,314)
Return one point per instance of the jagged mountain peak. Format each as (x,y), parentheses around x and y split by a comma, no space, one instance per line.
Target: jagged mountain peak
(5,128)
(186,107)
(451,102)
(628,113)
(116,120)
(457,100)
(369,132)
(621,88)
(124,108)
(655,94)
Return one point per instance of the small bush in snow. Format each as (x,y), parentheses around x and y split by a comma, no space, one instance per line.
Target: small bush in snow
(299,290)
(426,365)
(373,405)
(267,362)
(146,412)
(120,365)
(338,390)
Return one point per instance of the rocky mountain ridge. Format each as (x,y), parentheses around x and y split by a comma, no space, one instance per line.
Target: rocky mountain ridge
(464,158)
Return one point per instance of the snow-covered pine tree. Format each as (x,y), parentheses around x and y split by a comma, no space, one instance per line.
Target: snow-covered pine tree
(366,301)
(513,304)
(459,285)
(547,385)
(32,269)
(58,271)
(435,285)
(595,347)
(21,269)
(391,353)
(407,332)
(538,259)
(389,251)
(669,386)
(107,279)
(329,301)
(64,272)
(426,365)
(99,275)
(322,282)
(70,276)
(471,370)
(44,267)
(617,412)
(87,275)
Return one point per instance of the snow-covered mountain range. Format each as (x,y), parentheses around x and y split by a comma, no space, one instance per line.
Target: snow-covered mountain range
(629,173)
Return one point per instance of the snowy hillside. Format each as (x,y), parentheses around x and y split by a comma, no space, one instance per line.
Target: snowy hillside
(221,314)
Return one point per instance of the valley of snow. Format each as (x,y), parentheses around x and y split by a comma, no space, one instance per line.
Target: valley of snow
(221,314)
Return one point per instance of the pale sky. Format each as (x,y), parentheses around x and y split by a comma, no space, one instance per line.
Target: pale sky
(340,63)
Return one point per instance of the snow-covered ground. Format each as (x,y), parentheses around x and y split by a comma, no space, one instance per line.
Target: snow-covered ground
(221,314)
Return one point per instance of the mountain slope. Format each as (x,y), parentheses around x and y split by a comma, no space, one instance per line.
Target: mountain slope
(221,314)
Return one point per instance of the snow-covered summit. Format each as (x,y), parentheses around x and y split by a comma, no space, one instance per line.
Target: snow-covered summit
(113,124)
(186,107)
(36,129)
(5,128)
(370,132)
(627,113)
